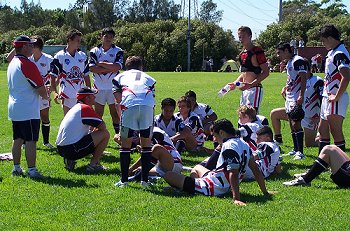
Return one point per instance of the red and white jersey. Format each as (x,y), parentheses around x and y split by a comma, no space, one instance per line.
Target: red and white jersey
(195,124)
(137,88)
(76,124)
(171,128)
(248,132)
(313,97)
(268,153)
(295,66)
(44,65)
(70,70)
(160,137)
(23,79)
(203,110)
(112,55)
(337,59)
(235,154)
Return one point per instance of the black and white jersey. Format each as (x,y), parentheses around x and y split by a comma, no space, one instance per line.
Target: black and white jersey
(195,124)
(313,97)
(295,66)
(268,154)
(171,128)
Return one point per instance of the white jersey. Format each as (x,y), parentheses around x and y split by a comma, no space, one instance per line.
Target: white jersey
(70,70)
(313,97)
(337,59)
(262,119)
(160,137)
(76,124)
(235,154)
(268,153)
(44,65)
(203,110)
(248,132)
(195,124)
(295,66)
(114,54)
(23,78)
(137,88)
(171,128)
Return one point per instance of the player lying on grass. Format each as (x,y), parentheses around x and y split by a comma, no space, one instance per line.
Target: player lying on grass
(235,157)
(333,157)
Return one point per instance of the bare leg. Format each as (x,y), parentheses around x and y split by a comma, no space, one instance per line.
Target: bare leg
(198,171)
(16,150)
(113,110)
(99,109)
(277,115)
(310,136)
(30,153)
(65,109)
(166,161)
(175,179)
(334,156)
(100,139)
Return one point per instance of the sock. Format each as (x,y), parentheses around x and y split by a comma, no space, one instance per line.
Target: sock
(45,130)
(316,169)
(124,163)
(146,157)
(31,169)
(278,138)
(323,143)
(116,128)
(295,142)
(17,167)
(300,140)
(341,145)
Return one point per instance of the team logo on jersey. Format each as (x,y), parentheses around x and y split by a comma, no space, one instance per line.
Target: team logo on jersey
(111,55)
(67,61)
(75,74)
(81,60)
(43,64)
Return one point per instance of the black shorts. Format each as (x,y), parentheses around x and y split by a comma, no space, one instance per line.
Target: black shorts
(78,150)
(189,185)
(28,130)
(342,176)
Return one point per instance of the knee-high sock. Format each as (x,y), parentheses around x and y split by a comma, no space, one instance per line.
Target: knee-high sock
(295,142)
(300,140)
(45,130)
(124,163)
(116,128)
(146,157)
(323,143)
(341,145)
(316,169)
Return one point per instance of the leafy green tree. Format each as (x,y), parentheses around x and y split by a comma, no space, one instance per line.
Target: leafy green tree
(209,13)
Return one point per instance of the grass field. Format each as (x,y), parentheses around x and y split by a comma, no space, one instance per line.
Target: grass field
(80,201)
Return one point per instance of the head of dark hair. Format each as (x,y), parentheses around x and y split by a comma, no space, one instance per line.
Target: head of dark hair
(191,93)
(330,31)
(246,30)
(265,130)
(283,45)
(134,62)
(39,42)
(225,125)
(186,100)
(72,34)
(168,102)
(107,30)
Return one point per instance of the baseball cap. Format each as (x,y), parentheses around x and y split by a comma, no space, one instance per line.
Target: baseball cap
(22,40)
(85,91)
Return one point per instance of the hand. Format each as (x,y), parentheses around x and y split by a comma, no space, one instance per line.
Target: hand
(283,92)
(300,100)
(332,98)
(56,97)
(232,86)
(239,203)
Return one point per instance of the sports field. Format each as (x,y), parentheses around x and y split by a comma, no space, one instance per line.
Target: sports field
(80,201)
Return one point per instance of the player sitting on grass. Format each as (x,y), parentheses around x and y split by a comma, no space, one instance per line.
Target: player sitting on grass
(330,156)
(164,154)
(191,134)
(266,155)
(232,163)
(167,120)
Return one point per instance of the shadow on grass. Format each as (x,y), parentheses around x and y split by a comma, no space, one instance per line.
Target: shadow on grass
(82,171)
(66,183)
(51,151)
(110,158)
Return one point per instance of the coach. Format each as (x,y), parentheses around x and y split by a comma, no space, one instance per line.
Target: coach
(25,86)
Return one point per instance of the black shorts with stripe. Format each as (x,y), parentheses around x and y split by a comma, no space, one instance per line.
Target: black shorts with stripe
(27,130)
(78,150)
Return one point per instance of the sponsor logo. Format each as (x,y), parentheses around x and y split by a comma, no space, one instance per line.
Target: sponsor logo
(43,64)
(67,61)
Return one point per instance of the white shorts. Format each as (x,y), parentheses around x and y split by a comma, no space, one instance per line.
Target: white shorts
(335,108)
(161,172)
(310,123)
(138,117)
(70,102)
(252,96)
(105,96)
(44,103)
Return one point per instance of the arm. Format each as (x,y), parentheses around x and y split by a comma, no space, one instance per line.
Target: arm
(54,88)
(210,118)
(118,96)
(87,81)
(303,76)
(98,69)
(263,75)
(10,55)
(110,67)
(135,166)
(42,92)
(234,182)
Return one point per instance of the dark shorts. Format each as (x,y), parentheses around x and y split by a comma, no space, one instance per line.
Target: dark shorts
(78,150)
(126,132)
(342,176)
(28,130)
(189,185)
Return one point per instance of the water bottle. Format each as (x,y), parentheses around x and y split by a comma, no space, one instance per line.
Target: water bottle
(240,84)
(224,90)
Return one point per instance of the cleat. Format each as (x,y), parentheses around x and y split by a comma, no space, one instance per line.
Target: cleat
(145,184)
(292,153)
(69,164)
(92,168)
(48,145)
(297,182)
(297,175)
(120,184)
(298,156)
(35,174)
(19,172)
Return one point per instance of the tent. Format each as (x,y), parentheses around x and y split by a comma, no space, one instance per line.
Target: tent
(233,64)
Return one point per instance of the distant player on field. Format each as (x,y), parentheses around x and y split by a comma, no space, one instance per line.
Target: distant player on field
(105,62)
(71,70)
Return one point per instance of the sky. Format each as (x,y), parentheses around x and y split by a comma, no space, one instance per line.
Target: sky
(256,14)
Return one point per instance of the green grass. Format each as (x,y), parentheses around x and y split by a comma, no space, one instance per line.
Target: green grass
(80,201)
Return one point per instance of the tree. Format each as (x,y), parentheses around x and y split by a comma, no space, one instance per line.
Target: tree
(208,12)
